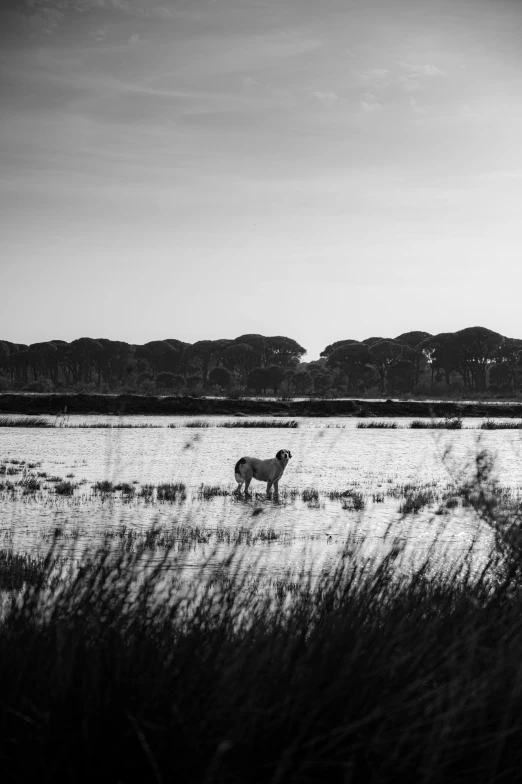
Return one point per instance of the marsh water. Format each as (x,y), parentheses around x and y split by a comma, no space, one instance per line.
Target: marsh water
(330,457)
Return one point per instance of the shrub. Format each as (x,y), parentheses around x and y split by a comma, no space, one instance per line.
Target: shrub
(64,488)
(166,380)
(40,385)
(220,377)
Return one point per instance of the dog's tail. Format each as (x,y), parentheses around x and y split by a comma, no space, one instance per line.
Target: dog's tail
(237,470)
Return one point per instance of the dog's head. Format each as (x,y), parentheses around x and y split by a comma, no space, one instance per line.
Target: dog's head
(284,455)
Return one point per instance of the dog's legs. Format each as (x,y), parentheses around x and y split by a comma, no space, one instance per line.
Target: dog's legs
(276,488)
(238,488)
(268,487)
(247,485)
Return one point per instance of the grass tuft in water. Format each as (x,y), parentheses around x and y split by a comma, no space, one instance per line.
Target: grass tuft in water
(205,492)
(492,424)
(126,489)
(146,492)
(310,495)
(173,491)
(25,422)
(450,423)
(415,501)
(65,488)
(268,423)
(103,487)
(369,424)
(31,484)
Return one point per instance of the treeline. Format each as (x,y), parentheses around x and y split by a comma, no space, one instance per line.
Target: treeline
(475,359)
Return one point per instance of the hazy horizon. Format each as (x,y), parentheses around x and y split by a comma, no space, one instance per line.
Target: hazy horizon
(205,169)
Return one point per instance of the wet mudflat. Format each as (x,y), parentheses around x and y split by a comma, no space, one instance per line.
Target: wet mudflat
(92,478)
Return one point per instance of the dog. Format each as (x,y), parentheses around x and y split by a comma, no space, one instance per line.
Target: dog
(269,471)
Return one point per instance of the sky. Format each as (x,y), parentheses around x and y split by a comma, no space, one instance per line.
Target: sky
(202,169)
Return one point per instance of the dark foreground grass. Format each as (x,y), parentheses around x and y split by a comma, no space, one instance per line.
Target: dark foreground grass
(362,675)
(369,674)
(18,570)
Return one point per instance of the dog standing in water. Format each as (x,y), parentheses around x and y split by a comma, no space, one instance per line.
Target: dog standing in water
(269,471)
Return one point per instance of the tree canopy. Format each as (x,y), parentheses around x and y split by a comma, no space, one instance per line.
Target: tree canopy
(474,358)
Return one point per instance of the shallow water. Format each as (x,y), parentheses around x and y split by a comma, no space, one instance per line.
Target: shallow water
(327,454)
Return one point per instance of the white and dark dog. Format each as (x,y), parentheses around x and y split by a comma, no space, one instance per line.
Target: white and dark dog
(269,471)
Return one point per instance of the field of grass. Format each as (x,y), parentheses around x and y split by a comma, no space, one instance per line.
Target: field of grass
(121,671)
(121,668)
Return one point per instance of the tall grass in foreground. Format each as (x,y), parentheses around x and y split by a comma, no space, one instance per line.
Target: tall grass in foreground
(369,674)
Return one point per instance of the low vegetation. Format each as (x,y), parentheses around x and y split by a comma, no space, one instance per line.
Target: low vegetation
(19,570)
(271,423)
(368,672)
(173,491)
(492,424)
(450,423)
(381,425)
(7,421)
(64,488)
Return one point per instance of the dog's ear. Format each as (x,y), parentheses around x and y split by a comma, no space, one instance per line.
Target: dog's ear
(289,454)
(279,454)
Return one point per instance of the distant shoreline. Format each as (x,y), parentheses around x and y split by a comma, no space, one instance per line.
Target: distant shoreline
(34,404)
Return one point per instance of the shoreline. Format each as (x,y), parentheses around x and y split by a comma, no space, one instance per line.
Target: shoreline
(128,405)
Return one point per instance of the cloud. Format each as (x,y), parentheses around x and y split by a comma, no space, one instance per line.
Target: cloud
(45,16)
(376,77)
(161,12)
(370,106)
(467,113)
(100,33)
(374,73)
(410,85)
(501,175)
(420,70)
(414,106)
(135,39)
(369,102)
(249,83)
(326,97)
